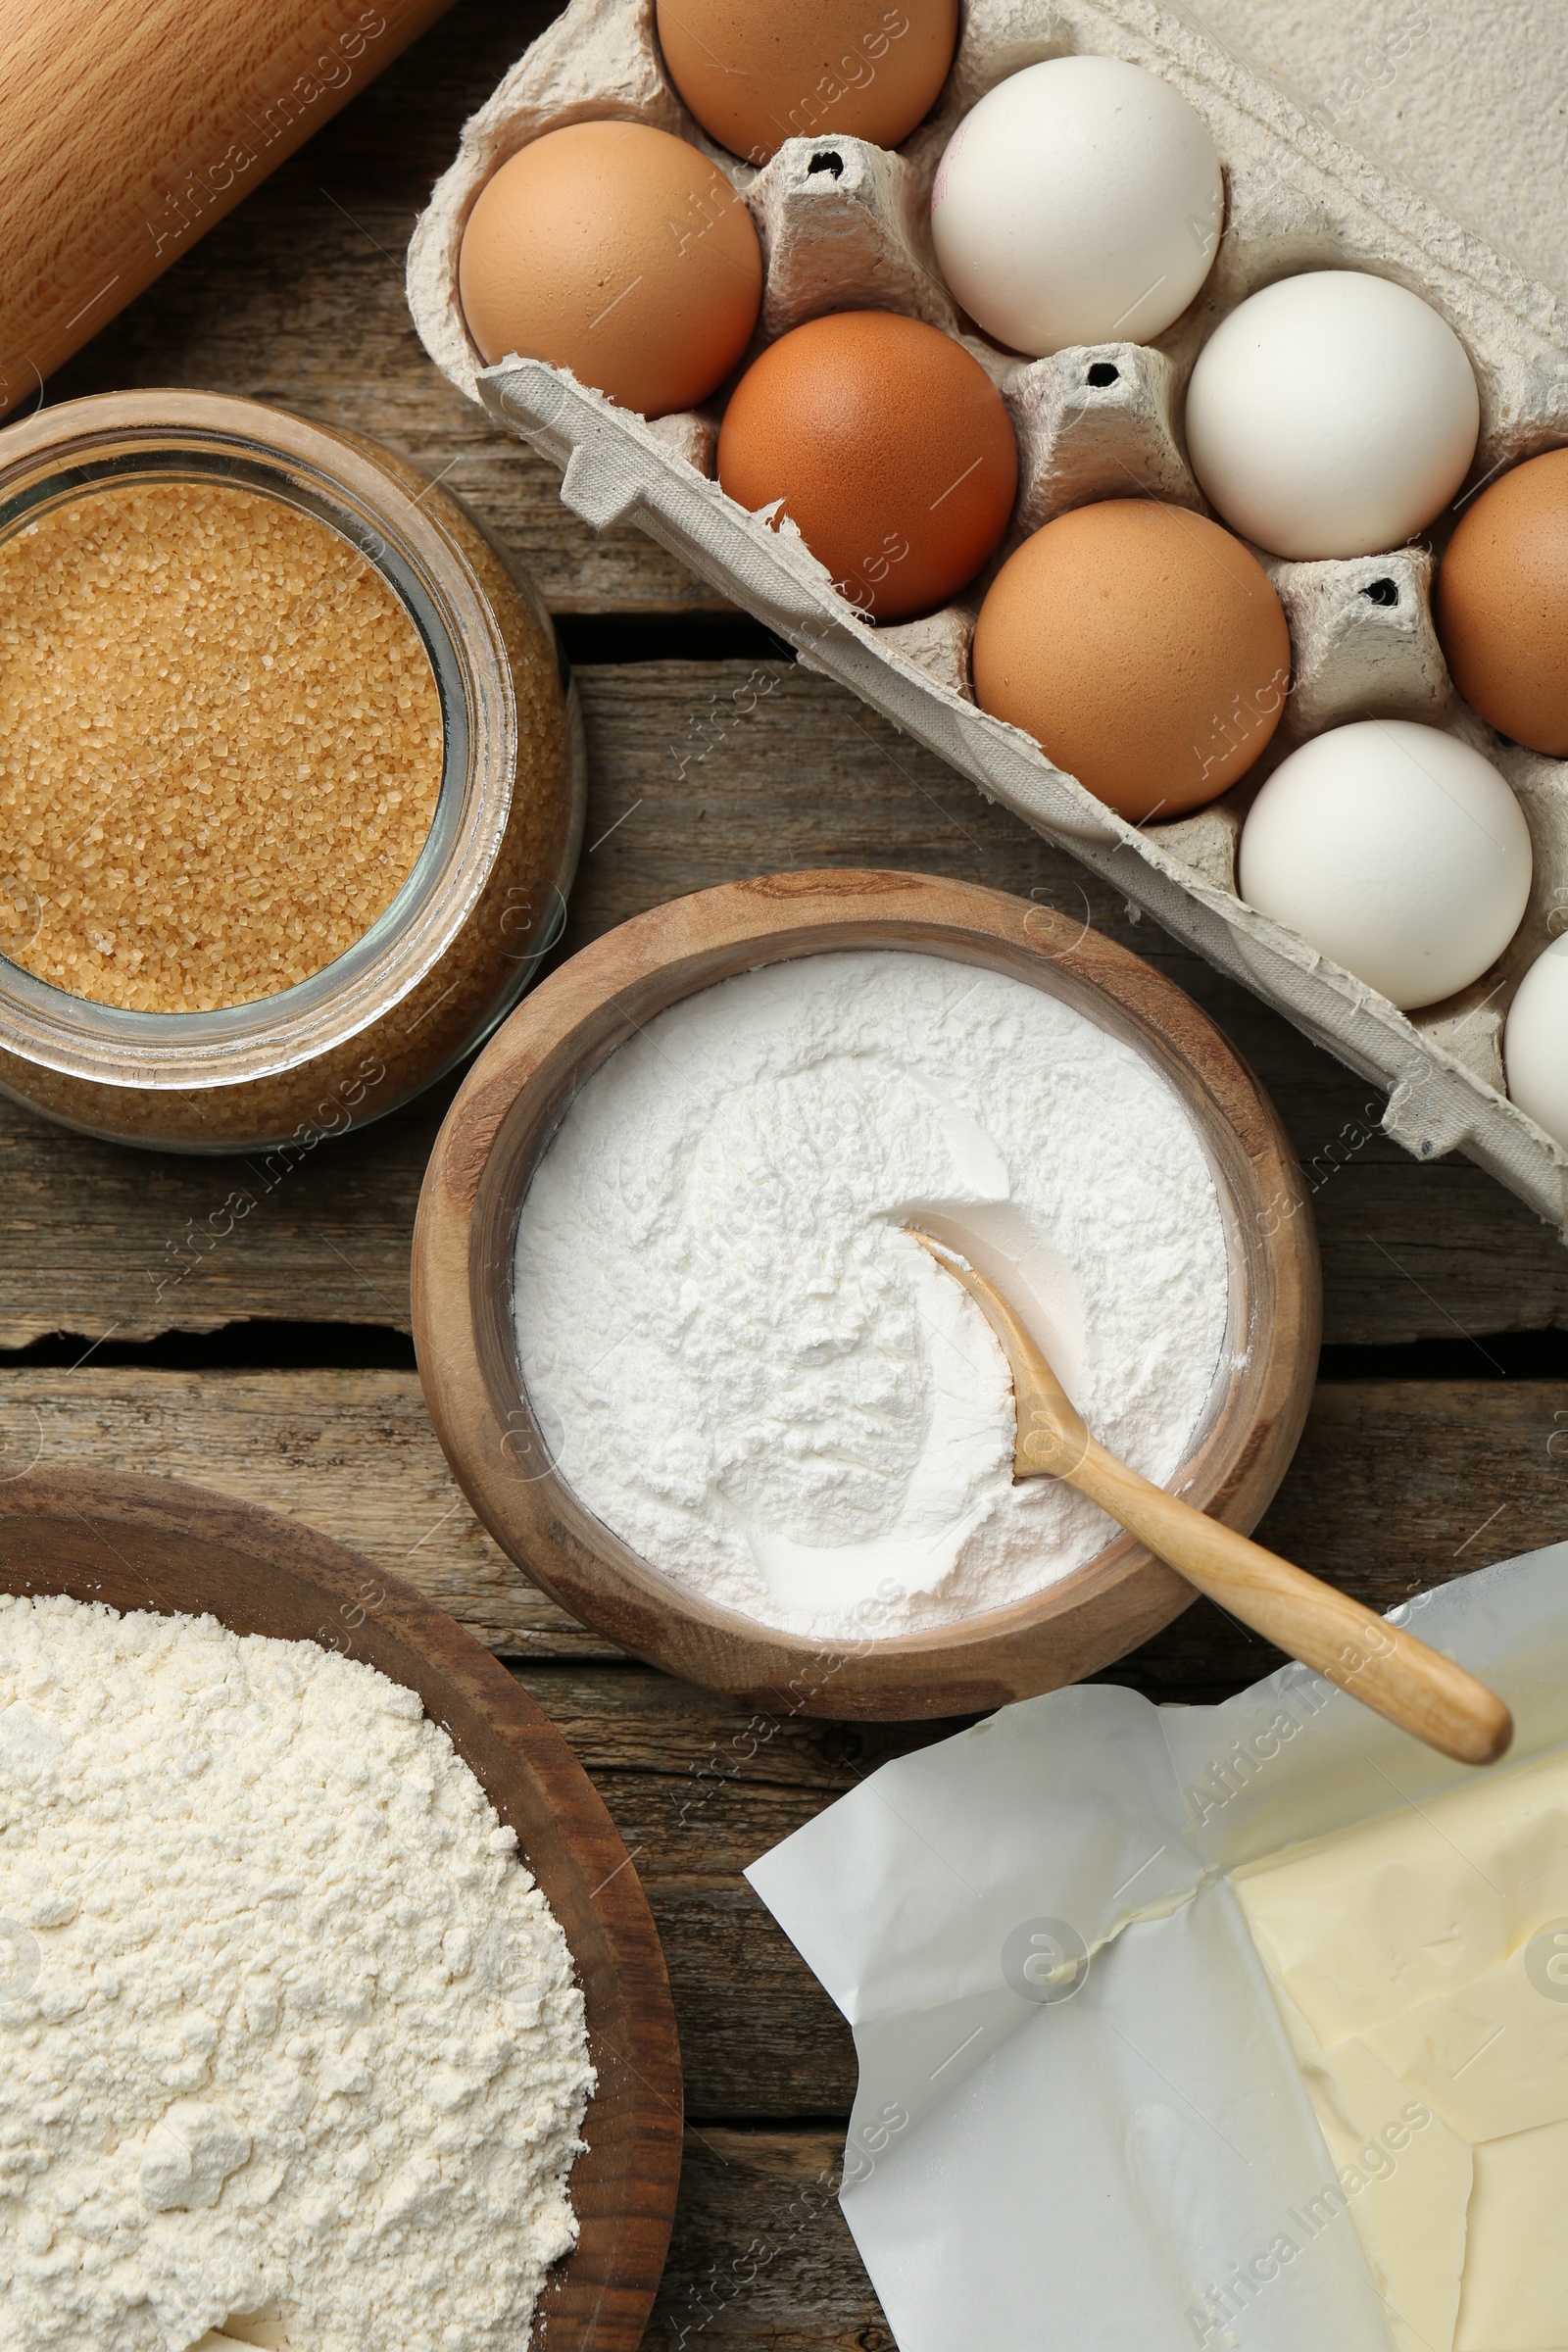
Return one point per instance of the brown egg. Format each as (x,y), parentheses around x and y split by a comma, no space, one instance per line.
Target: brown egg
(1143,648)
(619,253)
(1502,604)
(890,447)
(756,73)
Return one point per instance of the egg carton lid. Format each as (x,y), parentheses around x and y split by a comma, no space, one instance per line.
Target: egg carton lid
(1298,198)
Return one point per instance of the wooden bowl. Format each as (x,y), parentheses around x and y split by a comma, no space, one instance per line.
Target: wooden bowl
(149,1543)
(497,1132)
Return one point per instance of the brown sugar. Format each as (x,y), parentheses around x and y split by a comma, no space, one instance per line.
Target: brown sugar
(220,745)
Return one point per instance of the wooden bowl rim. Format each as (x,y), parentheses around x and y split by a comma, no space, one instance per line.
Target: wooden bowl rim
(597,2298)
(524,1081)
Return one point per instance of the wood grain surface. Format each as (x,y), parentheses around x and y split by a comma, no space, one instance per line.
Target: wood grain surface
(762,2259)
(129,128)
(1396,1485)
(712,758)
(356,1444)
(137,1244)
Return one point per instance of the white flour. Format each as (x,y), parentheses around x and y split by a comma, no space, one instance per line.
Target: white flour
(766,1387)
(281,2014)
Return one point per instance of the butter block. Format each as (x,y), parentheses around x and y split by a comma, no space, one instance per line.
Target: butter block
(1515,2296)
(1419,1902)
(1401,1959)
(1405,2179)
(1490,2060)
(1409,2179)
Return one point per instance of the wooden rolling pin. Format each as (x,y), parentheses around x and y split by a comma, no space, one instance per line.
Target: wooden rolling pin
(129,126)
(1348,1644)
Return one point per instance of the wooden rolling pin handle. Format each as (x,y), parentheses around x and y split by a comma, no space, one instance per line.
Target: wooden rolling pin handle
(1346,1643)
(129,126)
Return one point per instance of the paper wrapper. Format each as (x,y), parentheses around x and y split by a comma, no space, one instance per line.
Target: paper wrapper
(1078,2114)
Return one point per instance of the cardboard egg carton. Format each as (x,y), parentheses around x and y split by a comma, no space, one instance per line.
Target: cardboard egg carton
(844,224)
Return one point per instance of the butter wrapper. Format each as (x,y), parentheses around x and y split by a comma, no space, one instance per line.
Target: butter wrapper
(1080,2119)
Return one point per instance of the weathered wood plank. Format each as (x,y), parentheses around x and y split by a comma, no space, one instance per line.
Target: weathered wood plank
(352,1453)
(762,2259)
(799,773)
(758,2036)
(698,1787)
(297,298)
(1396,1487)
(110,1243)
(699,1754)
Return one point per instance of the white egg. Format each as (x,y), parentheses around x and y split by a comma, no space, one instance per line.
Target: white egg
(1079,202)
(1396,850)
(1535,1042)
(1332,415)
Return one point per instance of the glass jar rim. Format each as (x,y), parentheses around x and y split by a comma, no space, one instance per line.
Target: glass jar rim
(66,453)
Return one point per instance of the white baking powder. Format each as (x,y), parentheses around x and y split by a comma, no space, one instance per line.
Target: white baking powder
(282,2018)
(751,1373)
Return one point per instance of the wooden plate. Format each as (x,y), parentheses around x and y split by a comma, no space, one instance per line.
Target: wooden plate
(149,1543)
(503,1120)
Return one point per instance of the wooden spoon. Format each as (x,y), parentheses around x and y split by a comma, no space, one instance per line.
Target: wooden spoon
(1388,1669)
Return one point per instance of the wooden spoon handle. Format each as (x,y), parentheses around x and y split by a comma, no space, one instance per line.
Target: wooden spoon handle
(1376,1663)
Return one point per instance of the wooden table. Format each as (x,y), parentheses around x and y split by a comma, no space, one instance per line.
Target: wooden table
(263,1350)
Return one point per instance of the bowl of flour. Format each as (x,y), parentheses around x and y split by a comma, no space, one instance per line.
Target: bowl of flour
(698,1378)
(320,2030)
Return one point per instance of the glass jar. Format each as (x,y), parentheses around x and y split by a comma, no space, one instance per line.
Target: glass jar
(485,900)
